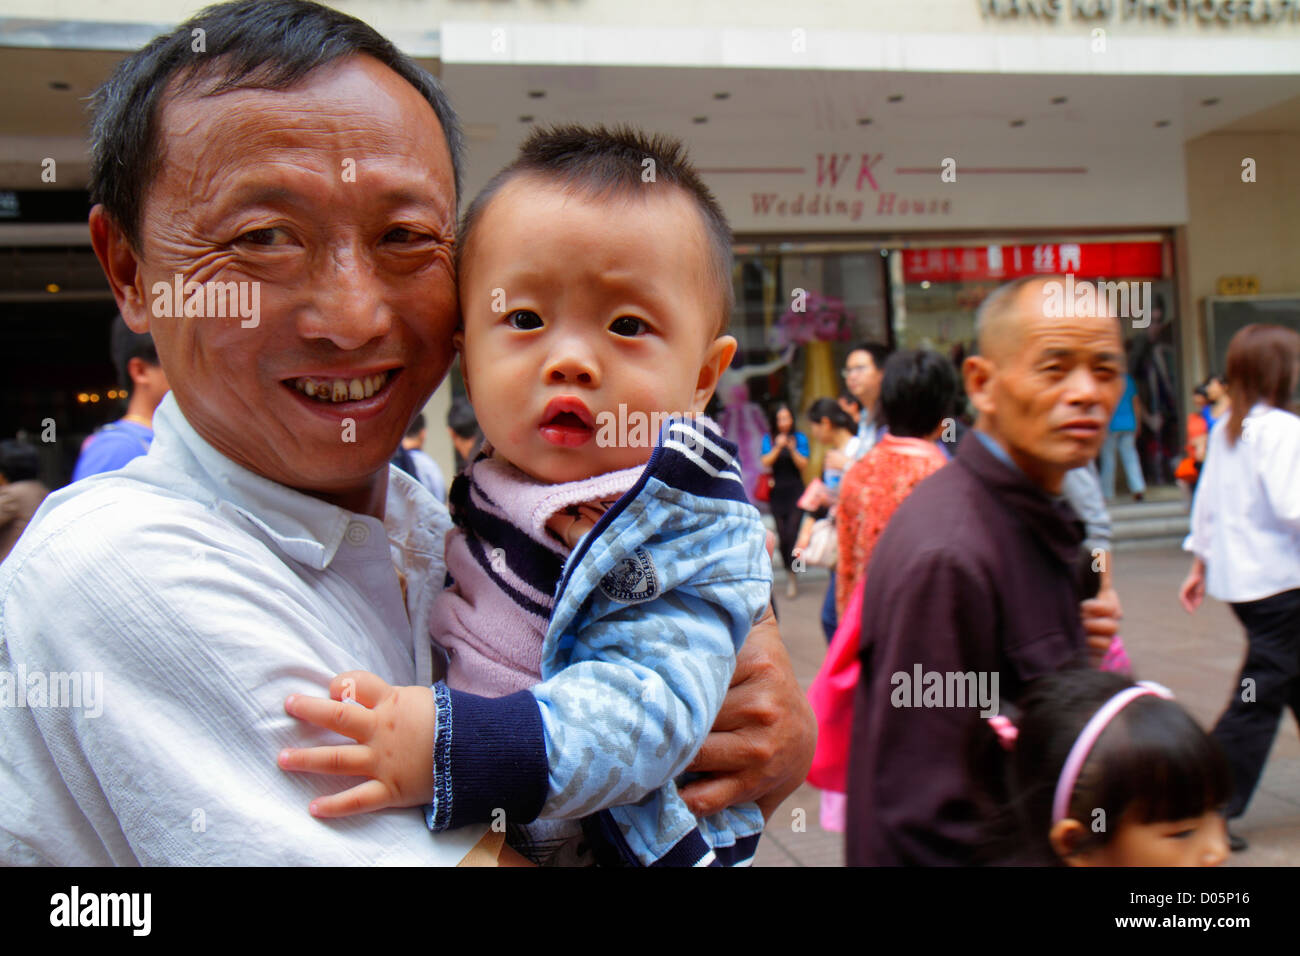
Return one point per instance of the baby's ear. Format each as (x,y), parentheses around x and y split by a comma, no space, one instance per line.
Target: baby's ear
(716,361)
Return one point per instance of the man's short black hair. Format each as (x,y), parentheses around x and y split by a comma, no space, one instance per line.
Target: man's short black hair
(461,419)
(19,461)
(248,44)
(603,162)
(879,352)
(917,392)
(416,426)
(126,345)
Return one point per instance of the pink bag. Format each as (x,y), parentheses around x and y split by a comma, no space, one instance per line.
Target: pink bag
(831,696)
(815,497)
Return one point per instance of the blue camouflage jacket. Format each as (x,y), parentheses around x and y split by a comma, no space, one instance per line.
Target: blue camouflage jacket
(651,607)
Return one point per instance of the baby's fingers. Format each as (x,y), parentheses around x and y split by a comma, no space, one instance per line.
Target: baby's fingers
(361,686)
(363,798)
(351,760)
(346,718)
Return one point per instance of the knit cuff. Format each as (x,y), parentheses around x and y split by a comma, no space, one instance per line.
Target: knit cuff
(489,757)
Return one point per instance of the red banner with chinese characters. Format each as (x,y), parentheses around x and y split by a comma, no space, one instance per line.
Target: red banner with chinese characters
(1085,260)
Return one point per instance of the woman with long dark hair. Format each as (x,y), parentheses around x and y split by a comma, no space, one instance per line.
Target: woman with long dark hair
(784,455)
(1246,541)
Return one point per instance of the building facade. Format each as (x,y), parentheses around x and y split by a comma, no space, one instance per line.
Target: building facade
(898,160)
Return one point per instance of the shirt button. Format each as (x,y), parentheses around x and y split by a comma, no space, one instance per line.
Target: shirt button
(357,533)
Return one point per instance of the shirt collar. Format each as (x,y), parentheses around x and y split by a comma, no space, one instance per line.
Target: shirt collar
(1048,517)
(1001,454)
(866,424)
(305,528)
(995,448)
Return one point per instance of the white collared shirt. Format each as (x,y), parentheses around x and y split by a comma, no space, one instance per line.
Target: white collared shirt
(197,595)
(869,431)
(1246,516)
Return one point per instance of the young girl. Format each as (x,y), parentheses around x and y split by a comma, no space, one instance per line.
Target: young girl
(1105,772)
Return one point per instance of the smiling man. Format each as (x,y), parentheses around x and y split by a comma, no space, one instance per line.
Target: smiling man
(979,571)
(264,544)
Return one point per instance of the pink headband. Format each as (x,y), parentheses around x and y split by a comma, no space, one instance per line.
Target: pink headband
(1091,731)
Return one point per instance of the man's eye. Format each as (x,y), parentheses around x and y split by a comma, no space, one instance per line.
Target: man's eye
(269,236)
(627,325)
(402,234)
(524,320)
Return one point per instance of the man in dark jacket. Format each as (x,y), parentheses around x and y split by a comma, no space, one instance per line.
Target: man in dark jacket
(975,582)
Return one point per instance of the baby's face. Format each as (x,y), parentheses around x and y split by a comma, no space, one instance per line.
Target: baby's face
(582,317)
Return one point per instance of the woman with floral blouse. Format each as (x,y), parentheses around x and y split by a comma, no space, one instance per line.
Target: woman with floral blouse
(916,393)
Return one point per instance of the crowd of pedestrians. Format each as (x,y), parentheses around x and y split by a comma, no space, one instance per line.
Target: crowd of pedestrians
(994,556)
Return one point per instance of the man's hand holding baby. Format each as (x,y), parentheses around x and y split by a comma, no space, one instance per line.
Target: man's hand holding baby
(394,730)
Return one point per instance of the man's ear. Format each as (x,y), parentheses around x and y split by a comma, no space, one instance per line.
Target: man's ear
(978,373)
(716,361)
(122,269)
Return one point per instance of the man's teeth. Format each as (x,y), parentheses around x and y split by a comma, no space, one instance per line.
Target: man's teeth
(341,389)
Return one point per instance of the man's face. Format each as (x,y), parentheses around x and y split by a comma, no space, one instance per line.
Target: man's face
(862,378)
(580,312)
(1048,390)
(337,198)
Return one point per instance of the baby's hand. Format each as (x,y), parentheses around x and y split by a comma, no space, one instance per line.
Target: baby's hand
(571,523)
(394,729)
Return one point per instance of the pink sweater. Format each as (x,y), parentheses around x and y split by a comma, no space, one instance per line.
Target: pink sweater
(506,564)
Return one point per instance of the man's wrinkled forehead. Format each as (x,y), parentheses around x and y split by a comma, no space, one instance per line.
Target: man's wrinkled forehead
(1028,328)
(338,106)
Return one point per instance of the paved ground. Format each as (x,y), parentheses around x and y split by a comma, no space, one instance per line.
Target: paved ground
(1197,657)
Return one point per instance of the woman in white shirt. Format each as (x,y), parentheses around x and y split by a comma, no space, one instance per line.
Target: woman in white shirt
(1246,541)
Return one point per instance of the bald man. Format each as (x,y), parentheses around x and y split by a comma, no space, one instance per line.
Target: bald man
(975,587)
